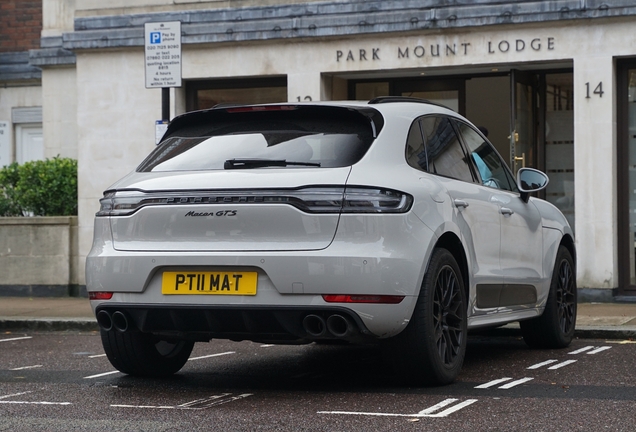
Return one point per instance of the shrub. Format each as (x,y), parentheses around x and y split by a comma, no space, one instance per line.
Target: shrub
(9,176)
(41,188)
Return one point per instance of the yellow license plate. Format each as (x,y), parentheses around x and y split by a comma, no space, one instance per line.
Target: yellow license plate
(227,283)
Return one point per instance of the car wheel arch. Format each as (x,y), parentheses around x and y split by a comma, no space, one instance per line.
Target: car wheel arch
(453,244)
(568,242)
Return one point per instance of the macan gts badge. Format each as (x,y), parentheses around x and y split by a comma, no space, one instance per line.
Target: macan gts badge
(392,222)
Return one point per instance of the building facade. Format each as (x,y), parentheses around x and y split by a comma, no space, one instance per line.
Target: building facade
(553,82)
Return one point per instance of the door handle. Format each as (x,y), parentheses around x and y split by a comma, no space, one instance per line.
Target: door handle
(506,211)
(521,159)
(460,203)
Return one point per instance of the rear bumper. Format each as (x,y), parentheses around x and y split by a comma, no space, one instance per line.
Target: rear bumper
(292,325)
(370,255)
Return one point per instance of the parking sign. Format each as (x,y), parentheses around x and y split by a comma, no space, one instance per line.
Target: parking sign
(163,54)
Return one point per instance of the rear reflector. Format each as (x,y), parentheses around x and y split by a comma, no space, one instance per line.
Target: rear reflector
(343,298)
(100,295)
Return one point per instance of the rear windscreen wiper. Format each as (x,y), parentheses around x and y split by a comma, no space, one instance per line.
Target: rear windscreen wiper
(261,163)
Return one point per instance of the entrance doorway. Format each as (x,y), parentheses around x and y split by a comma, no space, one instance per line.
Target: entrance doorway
(626,164)
(527,115)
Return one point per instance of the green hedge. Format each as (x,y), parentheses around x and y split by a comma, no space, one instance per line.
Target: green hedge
(39,188)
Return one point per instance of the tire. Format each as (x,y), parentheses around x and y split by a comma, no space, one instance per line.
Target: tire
(431,350)
(142,354)
(555,327)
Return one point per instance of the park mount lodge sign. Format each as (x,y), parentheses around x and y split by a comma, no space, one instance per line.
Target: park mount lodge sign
(454,49)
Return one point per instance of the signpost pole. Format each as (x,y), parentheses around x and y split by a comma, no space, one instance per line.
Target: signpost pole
(165,103)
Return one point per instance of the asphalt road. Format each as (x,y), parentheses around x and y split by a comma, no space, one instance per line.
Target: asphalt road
(60,381)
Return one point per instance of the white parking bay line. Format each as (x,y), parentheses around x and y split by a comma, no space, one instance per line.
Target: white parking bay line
(212,355)
(579,351)
(538,365)
(15,394)
(560,365)
(34,403)
(600,349)
(428,412)
(197,404)
(26,367)
(452,409)
(101,374)
(493,383)
(97,355)
(28,402)
(15,339)
(515,383)
(436,407)
(144,406)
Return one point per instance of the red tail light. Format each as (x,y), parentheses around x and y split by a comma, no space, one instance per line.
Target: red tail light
(100,295)
(345,298)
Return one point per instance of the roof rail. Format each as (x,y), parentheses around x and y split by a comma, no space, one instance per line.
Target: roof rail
(393,99)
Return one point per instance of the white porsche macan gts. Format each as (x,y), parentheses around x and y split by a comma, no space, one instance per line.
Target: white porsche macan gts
(392,221)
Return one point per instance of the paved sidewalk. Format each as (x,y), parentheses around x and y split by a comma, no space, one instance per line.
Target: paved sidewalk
(46,313)
(594,320)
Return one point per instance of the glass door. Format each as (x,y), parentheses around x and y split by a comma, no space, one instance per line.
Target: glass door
(626,155)
(559,141)
(522,120)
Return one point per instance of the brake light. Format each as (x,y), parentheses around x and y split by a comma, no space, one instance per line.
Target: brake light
(347,298)
(262,108)
(100,295)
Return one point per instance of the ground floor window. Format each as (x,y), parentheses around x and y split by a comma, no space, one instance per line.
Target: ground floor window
(27,131)
(208,93)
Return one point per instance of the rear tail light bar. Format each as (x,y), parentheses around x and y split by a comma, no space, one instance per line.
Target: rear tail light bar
(314,199)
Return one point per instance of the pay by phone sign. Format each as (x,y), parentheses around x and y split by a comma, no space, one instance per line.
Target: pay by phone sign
(163,54)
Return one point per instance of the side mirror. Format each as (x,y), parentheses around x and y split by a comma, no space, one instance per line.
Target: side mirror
(531,180)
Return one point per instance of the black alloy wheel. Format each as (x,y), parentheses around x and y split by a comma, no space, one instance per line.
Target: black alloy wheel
(555,327)
(431,350)
(447,316)
(566,297)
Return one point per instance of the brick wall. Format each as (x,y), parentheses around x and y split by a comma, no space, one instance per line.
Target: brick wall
(20,25)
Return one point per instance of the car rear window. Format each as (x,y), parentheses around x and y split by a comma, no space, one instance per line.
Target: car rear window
(292,136)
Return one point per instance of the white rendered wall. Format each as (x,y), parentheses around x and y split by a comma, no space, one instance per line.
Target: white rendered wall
(595,173)
(59,112)
(116,128)
(57,17)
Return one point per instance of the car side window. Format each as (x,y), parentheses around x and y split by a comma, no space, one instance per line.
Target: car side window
(415,151)
(485,158)
(445,154)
